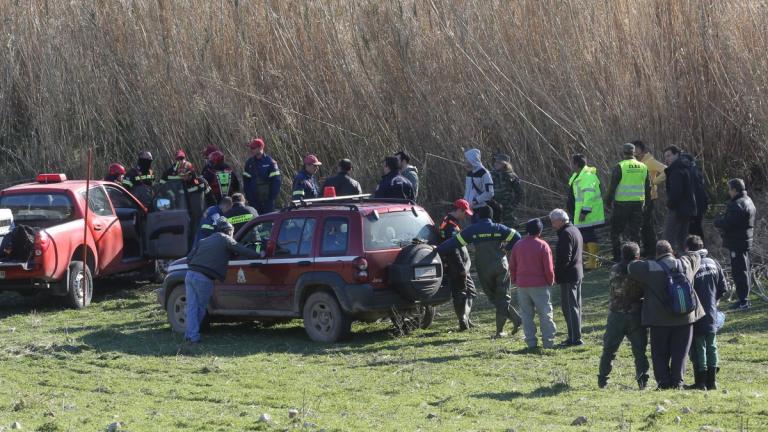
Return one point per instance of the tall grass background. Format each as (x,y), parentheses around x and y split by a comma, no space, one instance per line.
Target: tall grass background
(537,79)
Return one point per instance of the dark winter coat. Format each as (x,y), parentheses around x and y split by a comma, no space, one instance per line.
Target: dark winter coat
(394,185)
(568,253)
(738,223)
(699,186)
(710,285)
(681,192)
(211,255)
(344,184)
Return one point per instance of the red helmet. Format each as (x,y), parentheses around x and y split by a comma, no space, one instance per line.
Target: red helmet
(116,169)
(216,157)
(210,148)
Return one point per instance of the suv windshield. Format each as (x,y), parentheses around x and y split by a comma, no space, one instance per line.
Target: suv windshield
(39,209)
(396,229)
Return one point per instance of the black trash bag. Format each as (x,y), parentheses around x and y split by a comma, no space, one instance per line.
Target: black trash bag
(19,244)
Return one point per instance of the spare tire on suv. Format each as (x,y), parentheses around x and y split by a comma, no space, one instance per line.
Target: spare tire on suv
(416,273)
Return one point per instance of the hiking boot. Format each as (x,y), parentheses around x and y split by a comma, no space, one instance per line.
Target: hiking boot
(700,378)
(499,335)
(515,319)
(642,382)
(711,378)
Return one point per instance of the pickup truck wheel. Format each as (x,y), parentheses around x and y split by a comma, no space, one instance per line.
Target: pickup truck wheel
(177,308)
(79,285)
(426,316)
(324,320)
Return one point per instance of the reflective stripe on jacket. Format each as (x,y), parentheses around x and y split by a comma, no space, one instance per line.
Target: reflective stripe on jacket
(633,178)
(587,197)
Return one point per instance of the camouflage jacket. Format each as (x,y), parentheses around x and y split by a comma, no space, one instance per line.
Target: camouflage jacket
(626,293)
(508,192)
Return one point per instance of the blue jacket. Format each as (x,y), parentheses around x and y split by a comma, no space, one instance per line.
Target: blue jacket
(710,285)
(304,186)
(484,230)
(265,173)
(208,223)
(394,185)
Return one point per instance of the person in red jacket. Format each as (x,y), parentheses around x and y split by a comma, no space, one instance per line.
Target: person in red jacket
(532,271)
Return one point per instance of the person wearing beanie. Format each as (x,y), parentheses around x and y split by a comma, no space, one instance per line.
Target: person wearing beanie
(261,178)
(508,190)
(626,300)
(478,186)
(532,271)
(737,227)
(343,182)
(490,240)
(207,262)
(392,184)
(630,188)
(304,183)
(457,264)
(585,204)
(240,213)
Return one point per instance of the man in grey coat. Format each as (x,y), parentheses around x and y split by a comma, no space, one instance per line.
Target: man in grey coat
(671,334)
(409,171)
(207,262)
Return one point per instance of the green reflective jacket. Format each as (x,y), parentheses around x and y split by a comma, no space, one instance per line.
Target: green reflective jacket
(588,198)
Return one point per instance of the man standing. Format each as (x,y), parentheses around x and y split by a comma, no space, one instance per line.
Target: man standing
(261,178)
(489,239)
(671,333)
(530,266)
(240,213)
(140,179)
(342,182)
(478,187)
(681,197)
(220,176)
(656,176)
(211,218)
(208,262)
(585,203)
(569,273)
(304,183)
(393,184)
(508,190)
(737,226)
(702,199)
(626,299)
(179,169)
(709,284)
(457,264)
(629,190)
(409,171)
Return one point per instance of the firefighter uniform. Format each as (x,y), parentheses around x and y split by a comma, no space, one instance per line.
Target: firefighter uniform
(630,186)
(457,264)
(305,186)
(492,266)
(240,215)
(261,183)
(587,209)
(222,180)
(140,183)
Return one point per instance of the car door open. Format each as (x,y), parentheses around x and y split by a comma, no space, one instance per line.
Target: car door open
(167,231)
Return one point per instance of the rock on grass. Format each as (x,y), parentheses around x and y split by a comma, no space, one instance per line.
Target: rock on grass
(579,421)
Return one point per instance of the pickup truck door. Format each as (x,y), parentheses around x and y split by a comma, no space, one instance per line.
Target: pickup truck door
(106,231)
(167,231)
(291,257)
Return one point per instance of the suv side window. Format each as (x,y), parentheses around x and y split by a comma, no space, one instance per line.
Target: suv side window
(120,199)
(295,237)
(258,234)
(335,236)
(98,202)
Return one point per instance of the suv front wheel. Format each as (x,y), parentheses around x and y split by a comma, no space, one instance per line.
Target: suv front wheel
(324,320)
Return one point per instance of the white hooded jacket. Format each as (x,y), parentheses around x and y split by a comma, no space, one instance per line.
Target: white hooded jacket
(478,188)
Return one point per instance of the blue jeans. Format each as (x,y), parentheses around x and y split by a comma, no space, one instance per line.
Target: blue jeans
(199,290)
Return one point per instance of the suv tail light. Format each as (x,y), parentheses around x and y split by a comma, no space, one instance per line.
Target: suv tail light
(42,243)
(361,269)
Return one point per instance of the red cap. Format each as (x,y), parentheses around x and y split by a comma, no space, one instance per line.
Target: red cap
(181,155)
(462,204)
(256,143)
(311,159)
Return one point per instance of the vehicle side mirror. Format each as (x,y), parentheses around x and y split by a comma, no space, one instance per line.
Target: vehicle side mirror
(163,204)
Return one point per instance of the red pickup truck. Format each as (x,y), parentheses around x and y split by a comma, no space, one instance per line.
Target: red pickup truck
(122,236)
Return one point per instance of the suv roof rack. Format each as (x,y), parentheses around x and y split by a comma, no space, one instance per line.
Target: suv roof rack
(348,200)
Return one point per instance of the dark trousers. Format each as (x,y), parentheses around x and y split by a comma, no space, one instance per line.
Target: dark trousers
(696,227)
(669,349)
(676,230)
(627,220)
(589,234)
(741,272)
(462,288)
(649,229)
(570,303)
(622,325)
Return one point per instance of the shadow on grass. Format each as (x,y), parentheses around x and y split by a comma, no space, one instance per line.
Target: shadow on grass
(545,391)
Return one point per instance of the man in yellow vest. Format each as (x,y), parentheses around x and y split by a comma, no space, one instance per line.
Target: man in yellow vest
(628,192)
(585,204)
(657,177)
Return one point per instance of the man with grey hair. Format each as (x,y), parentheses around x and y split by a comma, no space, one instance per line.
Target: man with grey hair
(569,272)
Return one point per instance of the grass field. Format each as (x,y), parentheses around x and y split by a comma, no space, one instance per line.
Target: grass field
(62,370)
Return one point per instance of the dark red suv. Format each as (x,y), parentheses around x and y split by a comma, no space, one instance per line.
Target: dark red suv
(328,261)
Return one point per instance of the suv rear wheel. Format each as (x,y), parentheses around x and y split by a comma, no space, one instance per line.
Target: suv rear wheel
(324,320)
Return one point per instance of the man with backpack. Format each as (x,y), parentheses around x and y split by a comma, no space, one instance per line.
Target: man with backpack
(710,286)
(670,308)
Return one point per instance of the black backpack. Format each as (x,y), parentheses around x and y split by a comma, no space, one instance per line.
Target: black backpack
(18,244)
